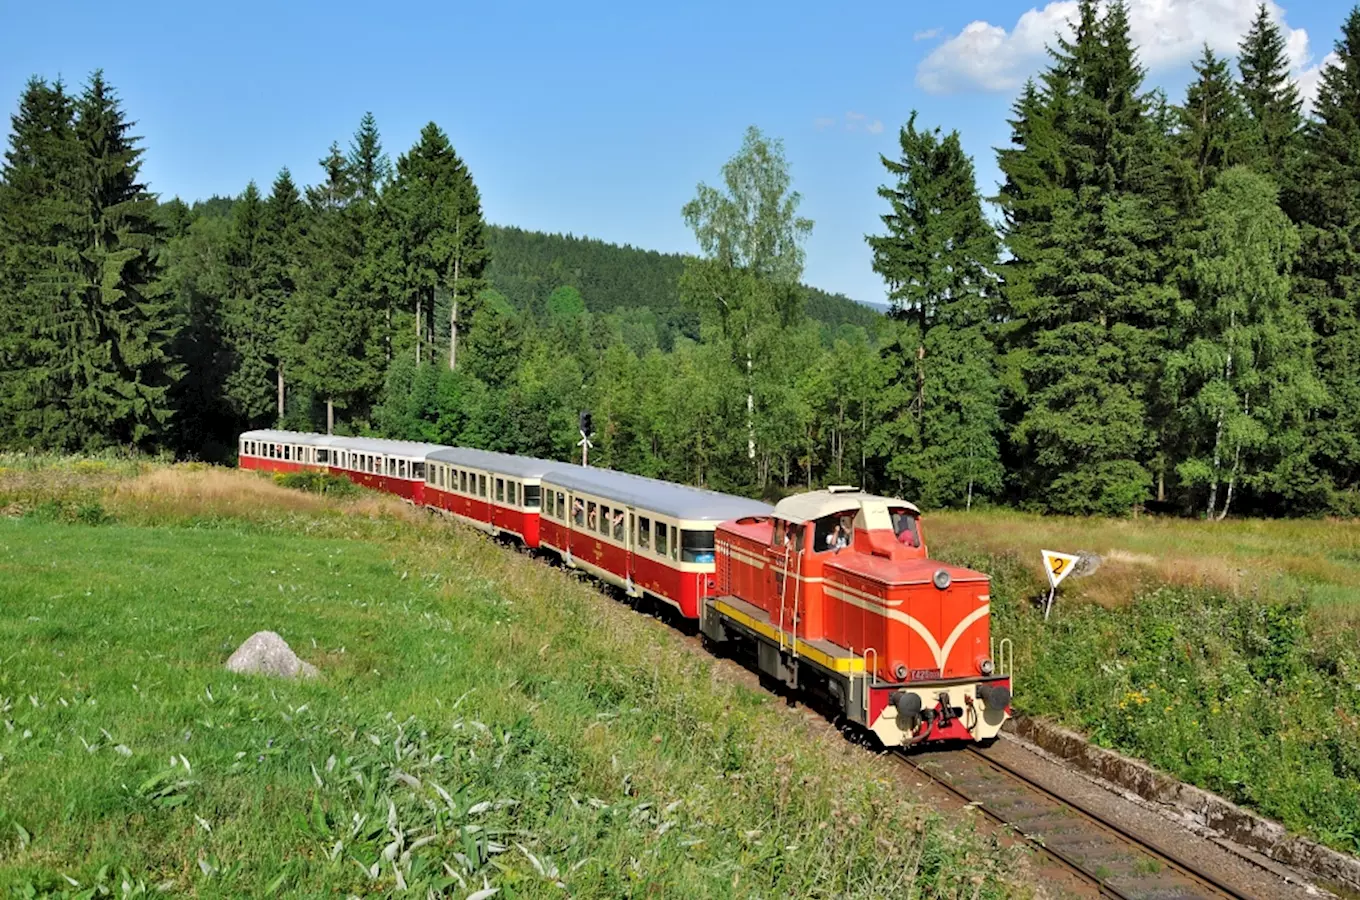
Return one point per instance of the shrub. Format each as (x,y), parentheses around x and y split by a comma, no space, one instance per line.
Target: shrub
(317,483)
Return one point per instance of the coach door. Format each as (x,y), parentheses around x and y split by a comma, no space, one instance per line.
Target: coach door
(630,565)
(576,523)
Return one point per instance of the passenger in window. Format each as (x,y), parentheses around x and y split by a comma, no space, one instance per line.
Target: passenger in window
(592,519)
(618,524)
(578,512)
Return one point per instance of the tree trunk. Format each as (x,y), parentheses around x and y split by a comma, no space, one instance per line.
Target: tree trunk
(279,370)
(1232,483)
(1213,478)
(419,297)
(1237,462)
(330,416)
(453,320)
(750,408)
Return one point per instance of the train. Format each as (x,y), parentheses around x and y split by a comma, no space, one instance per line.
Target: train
(831,592)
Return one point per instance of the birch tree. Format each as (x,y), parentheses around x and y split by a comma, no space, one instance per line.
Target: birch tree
(751,239)
(1248,369)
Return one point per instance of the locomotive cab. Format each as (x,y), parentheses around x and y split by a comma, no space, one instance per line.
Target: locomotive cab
(837,591)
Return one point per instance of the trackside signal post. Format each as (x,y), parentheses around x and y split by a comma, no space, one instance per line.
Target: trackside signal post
(1057,566)
(584,443)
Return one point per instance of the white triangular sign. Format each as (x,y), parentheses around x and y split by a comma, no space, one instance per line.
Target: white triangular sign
(1058,566)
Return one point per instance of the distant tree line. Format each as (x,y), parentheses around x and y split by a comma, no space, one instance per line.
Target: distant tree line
(1165,315)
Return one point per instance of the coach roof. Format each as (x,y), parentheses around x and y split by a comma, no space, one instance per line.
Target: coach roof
(381,446)
(491,461)
(676,500)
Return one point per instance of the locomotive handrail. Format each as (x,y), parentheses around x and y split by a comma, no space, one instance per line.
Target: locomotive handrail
(870,677)
(1005,660)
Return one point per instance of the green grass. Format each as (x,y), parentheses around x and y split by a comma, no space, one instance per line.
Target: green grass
(1318,559)
(480,720)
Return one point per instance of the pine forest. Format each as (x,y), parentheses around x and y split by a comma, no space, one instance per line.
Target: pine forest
(1158,309)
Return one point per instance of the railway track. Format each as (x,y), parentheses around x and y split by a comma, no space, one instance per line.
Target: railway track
(1109,859)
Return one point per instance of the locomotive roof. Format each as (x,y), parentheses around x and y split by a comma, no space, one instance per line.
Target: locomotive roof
(677,500)
(815,504)
(503,463)
(363,444)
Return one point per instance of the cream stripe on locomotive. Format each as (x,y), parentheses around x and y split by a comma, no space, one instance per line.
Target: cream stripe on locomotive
(741,554)
(941,654)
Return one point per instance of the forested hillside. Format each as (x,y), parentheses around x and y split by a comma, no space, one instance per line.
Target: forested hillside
(527,266)
(1166,314)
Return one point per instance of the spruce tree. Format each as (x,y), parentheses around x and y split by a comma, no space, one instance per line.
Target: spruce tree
(285,224)
(121,326)
(249,328)
(438,215)
(1213,128)
(1087,205)
(938,415)
(1328,277)
(332,323)
(1271,97)
(39,264)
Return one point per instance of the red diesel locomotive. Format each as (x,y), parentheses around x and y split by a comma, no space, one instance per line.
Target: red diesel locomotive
(837,594)
(833,590)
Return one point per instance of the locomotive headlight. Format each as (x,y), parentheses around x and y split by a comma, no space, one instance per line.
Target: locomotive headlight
(985,667)
(941,578)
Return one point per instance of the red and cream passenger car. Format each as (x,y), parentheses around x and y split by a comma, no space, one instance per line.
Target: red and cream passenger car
(397,467)
(496,492)
(646,536)
(838,594)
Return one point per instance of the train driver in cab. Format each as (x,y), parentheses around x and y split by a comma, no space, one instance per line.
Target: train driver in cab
(904,526)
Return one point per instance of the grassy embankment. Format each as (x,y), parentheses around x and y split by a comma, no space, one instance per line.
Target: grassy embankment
(1227,654)
(482,721)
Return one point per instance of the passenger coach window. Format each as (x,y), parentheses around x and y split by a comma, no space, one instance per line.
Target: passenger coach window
(696,546)
(550,509)
(660,539)
(462,481)
(618,524)
(644,534)
(578,512)
(500,490)
(675,544)
(561,507)
(481,485)
(592,516)
(531,496)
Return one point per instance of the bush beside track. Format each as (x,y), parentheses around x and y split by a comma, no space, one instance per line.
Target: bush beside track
(534,731)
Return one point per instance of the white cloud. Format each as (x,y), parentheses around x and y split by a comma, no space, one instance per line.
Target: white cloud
(987,57)
(852,121)
(927,35)
(1310,79)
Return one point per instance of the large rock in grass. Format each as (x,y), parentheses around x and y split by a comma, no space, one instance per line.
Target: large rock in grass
(265,653)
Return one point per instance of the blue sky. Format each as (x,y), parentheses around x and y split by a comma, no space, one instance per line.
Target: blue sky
(592,118)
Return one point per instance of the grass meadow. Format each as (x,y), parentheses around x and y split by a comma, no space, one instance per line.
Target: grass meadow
(1314,559)
(484,725)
